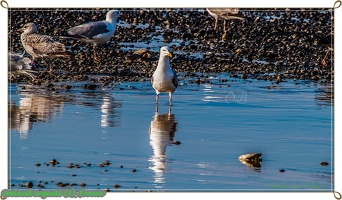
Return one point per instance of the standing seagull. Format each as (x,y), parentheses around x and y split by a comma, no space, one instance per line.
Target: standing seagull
(225,14)
(41,46)
(96,32)
(164,79)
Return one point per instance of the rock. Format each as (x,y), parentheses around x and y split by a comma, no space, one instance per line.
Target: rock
(324,163)
(29,184)
(251,159)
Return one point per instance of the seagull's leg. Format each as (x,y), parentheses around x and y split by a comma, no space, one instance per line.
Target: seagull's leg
(323,61)
(156,108)
(215,26)
(170,98)
(95,56)
(157,98)
(224,25)
(50,65)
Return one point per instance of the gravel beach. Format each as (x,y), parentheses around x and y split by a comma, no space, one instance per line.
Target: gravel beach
(269,44)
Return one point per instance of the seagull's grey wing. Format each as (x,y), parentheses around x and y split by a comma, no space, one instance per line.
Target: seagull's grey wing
(175,79)
(89,30)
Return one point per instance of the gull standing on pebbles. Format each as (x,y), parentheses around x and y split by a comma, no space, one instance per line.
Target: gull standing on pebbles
(225,14)
(41,46)
(96,32)
(164,79)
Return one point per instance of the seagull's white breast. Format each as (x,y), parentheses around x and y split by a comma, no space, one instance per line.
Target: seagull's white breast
(162,81)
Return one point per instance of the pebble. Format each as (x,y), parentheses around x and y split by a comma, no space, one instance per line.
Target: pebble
(70,166)
(324,163)
(106,163)
(29,184)
(53,162)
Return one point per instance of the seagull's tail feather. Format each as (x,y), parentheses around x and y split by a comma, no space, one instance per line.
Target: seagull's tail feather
(75,37)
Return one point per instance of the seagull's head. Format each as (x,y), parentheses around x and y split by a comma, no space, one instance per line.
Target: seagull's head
(164,51)
(29,28)
(112,15)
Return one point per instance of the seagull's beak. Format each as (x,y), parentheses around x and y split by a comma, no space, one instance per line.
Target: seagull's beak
(169,55)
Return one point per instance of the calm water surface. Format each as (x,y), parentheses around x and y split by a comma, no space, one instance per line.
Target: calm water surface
(195,147)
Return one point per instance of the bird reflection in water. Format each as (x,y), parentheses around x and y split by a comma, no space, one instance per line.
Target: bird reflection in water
(109,113)
(31,108)
(162,131)
(38,105)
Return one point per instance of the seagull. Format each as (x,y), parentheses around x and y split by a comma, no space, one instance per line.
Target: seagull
(95,32)
(164,78)
(225,14)
(41,46)
(18,64)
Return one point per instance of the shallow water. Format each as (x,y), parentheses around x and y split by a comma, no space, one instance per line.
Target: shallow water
(195,147)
